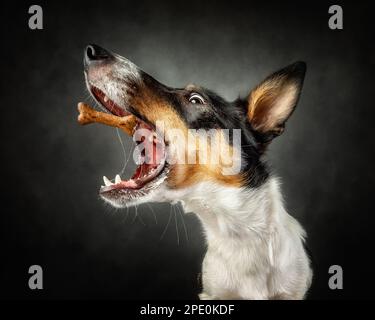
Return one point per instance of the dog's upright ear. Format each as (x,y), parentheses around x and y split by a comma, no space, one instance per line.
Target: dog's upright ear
(272,102)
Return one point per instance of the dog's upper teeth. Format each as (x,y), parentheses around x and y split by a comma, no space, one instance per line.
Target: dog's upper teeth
(117,179)
(107,182)
(105,99)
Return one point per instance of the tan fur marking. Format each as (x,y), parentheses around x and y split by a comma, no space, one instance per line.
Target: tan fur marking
(154,108)
(271,103)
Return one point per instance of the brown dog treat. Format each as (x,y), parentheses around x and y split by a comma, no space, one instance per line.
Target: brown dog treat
(88,115)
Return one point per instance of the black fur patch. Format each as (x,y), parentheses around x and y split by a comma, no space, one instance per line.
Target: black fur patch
(217,113)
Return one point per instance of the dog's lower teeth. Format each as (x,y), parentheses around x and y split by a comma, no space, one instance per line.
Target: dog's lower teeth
(105,99)
(107,182)
(117,179)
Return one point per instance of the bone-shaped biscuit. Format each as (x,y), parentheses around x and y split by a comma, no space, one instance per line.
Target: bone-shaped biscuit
(88,115)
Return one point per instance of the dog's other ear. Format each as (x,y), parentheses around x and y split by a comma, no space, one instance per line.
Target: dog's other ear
(272,102)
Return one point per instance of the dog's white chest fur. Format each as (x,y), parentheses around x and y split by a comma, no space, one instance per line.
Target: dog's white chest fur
(254,247)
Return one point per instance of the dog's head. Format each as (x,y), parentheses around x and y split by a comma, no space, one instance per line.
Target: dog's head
(189,135)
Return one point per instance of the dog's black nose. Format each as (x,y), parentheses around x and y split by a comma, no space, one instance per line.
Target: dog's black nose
(95,53)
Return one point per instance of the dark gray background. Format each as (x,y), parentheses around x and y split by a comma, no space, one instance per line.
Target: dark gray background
(52,167)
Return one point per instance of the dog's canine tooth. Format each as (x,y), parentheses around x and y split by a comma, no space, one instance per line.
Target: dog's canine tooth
(107,182)
(117,179)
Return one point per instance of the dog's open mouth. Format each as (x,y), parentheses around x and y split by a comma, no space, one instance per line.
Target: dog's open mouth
(150,147)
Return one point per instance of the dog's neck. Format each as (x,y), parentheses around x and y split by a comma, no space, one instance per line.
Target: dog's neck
(248,229)
(237,214)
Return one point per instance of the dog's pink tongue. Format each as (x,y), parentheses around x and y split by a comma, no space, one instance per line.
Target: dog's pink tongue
(129,183)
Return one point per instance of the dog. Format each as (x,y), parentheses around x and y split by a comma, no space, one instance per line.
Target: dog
(255,249)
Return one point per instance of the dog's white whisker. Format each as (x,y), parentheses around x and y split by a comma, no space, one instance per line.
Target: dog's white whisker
(135,214)
(153,212)
(175,220)
(141,219)
(169,220)
(126,157)
(126,215)
(183,222)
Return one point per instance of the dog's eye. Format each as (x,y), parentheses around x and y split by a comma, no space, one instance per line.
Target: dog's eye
(196,98)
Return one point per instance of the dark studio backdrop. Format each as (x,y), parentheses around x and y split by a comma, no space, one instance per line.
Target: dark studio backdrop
(51,167)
